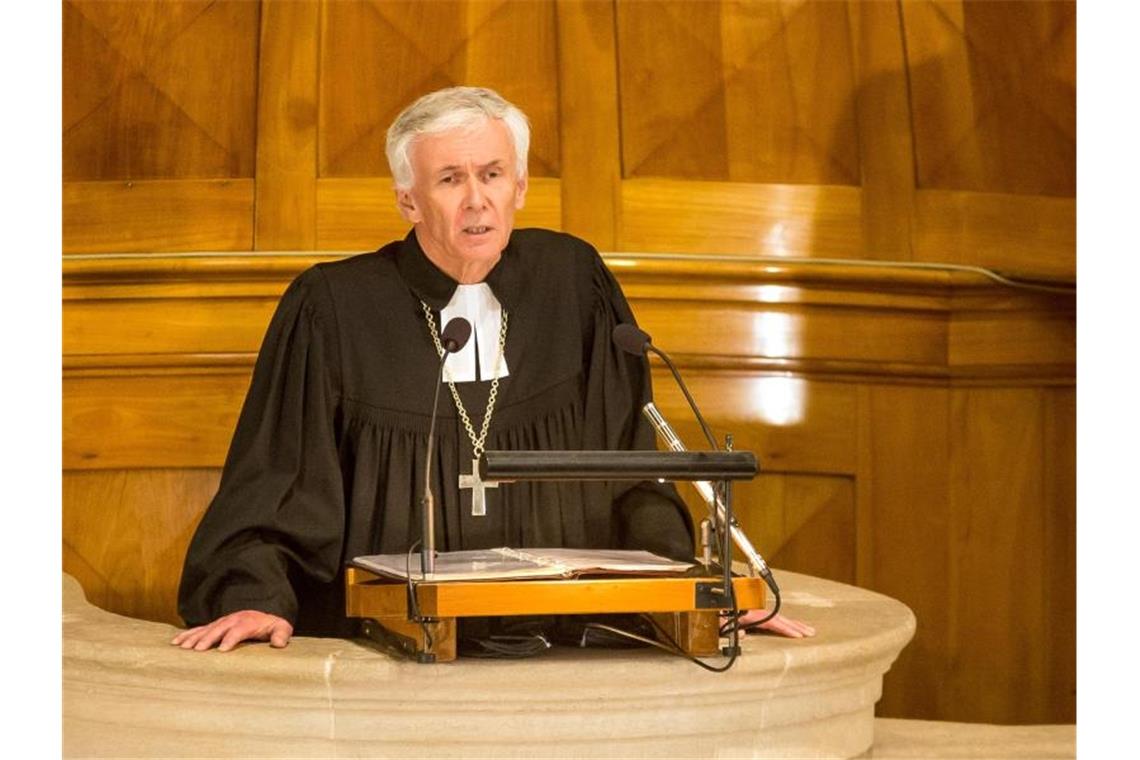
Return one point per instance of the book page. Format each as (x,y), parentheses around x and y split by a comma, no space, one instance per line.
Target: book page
(505,563)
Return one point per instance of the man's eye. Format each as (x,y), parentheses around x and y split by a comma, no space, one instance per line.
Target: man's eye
(447,180)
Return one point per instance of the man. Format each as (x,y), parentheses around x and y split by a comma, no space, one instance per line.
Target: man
(327,457)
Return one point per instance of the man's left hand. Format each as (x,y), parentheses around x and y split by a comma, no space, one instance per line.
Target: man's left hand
(780,625)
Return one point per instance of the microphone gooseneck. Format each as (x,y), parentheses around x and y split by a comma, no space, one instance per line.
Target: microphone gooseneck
(715,504)
(454,337)
(633,340)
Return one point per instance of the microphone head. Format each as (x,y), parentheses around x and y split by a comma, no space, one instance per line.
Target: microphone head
(455,335)
(631,339)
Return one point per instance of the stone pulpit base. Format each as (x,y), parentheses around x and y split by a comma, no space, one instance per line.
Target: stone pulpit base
(128,692)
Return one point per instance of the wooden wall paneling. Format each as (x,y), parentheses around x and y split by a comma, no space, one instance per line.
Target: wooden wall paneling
(676,216)
(912,562)
(1060,451)
(1000,636)
(801,523)
(150,420)
(792,424)
(994,95)
(886,143)
(589,120)
(361,214)
(1014,234)
(166,326)
(942,107)
(1009,338)
(672,97)
(800,511)
(776,331)
(513,48)
(357,214)
(159,90)
(818,528)
(865,517)
(145,216)
(376,58)
(125,534)
(286,202)
(787,72)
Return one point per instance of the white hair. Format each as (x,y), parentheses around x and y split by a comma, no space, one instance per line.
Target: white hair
(452,108)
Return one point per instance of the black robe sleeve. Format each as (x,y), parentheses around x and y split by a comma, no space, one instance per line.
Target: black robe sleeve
(650,515)
(279,510)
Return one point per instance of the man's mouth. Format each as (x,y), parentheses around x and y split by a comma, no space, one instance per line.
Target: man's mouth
(476,230)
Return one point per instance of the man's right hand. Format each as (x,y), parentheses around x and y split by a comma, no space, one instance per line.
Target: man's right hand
(234,628)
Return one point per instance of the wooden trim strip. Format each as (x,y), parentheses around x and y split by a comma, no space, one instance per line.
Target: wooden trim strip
(629,267)
(123,365)
(178,215)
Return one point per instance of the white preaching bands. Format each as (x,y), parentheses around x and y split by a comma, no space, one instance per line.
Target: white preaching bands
(478,305)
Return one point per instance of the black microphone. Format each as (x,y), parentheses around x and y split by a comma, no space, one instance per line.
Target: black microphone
(633,340)
(454,337)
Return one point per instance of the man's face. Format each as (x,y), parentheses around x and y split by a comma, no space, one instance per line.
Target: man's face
(464,197)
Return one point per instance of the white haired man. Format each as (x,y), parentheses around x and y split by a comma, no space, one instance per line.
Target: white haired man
(329,448)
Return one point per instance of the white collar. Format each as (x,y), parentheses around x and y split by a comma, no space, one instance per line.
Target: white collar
(478,305)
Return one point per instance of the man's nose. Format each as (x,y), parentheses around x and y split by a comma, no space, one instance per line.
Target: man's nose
(473,193)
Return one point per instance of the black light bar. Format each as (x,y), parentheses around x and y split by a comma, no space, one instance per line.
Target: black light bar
(618,465)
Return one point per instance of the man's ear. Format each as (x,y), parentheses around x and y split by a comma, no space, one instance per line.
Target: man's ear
(520,192)
(407,206)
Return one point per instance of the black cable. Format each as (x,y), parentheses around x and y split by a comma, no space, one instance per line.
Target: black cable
(413,602)
(684,389)
(732,624)
(672,647)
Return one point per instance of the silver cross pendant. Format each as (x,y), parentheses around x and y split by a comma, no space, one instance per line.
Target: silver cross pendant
(478,488)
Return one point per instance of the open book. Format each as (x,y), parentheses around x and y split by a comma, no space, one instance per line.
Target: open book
(504,563)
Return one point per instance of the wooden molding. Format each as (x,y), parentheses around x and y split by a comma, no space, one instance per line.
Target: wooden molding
(168,215)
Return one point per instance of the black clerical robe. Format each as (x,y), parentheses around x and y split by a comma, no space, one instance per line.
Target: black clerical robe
(327,459)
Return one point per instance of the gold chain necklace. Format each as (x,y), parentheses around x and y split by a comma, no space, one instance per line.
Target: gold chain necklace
(477,485)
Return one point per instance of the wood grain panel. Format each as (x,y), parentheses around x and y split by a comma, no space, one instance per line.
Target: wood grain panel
(513,48)
(183,215)
(159,90)
(1016,234)
(789,93)
(1000,633)
(775,331)
(287,126)
(672,98)
(134,422)
(979,338)
(375,59)
(155,326)
(125,534)
(818,528)
(994,95)
(361,215)
(1060,451)
(793,425)
(909,485)
(886,144)
(589,120)
(738,218)
(803,524)
(378,57)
